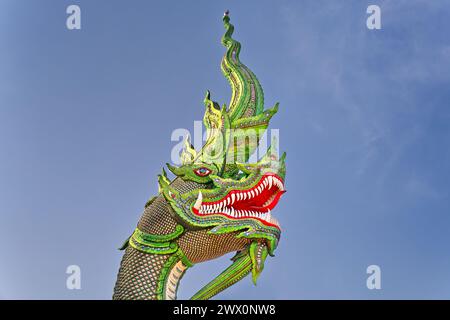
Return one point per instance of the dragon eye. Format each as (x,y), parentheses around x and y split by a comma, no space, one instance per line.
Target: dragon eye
(202,172)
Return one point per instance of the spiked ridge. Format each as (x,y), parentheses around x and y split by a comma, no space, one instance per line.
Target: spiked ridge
(254,203)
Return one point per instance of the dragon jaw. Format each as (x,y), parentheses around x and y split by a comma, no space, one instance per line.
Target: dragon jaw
(255,202)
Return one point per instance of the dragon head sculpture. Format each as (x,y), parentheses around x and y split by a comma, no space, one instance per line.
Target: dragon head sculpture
(218,201)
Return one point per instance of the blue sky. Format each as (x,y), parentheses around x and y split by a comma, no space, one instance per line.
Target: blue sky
(86,118)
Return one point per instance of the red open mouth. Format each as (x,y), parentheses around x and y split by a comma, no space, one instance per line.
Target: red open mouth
(254,203)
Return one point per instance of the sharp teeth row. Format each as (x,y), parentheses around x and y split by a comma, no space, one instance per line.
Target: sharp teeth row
(269,200)
(272,180)
(225,206)
(248,213)
(240,213)
(245,195)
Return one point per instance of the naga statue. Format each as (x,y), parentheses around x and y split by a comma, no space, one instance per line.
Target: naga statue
(217,203)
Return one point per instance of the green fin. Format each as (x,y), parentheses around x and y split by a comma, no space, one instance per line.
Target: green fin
(125,244)
(150,201)
(258,254)
(241,267)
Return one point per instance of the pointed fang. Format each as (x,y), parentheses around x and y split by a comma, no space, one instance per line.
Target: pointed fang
(199,200)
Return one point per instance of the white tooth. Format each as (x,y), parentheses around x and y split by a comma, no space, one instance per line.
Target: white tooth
(260,188)
(256,191)
(232,198)
(244,195)
(232,211)
(198,202)
(228,201)
(265,182)
(279,184)
(239,196)
(270,182)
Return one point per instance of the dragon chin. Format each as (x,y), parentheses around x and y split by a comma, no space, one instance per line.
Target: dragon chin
(254,203)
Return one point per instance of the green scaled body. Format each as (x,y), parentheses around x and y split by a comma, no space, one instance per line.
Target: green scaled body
(217,201)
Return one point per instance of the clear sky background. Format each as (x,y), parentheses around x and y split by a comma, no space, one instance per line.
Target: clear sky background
(86,118)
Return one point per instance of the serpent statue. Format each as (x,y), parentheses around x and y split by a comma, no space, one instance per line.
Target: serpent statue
(217,203)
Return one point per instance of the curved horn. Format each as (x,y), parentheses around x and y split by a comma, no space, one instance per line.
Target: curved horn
(247,98)
(245,115)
